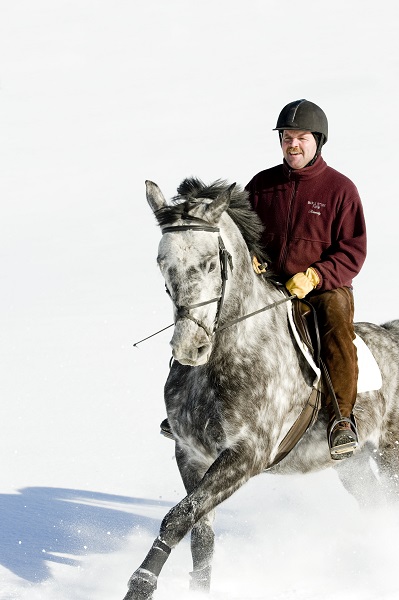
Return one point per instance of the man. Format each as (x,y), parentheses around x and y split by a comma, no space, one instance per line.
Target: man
(315,237)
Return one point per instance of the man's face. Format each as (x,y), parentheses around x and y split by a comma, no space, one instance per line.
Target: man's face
(299,147)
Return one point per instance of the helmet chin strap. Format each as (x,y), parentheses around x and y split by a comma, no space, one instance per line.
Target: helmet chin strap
(311,162)
(319,137)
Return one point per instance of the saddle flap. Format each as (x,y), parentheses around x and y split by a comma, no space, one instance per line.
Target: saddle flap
(300,312)
(303,339)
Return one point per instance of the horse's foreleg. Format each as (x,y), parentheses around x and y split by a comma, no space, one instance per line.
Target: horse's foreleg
(143,582)
(202,536)
(229,472)
(202,546)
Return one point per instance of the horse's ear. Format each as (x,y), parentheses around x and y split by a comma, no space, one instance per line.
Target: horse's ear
(154,196)
(220,204)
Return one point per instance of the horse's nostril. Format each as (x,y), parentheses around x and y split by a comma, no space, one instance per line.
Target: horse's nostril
(203,350)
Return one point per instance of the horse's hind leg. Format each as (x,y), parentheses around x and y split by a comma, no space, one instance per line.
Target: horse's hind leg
(360,480)
(387,458)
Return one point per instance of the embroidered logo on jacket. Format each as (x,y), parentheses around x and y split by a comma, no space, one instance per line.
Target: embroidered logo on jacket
(316,207)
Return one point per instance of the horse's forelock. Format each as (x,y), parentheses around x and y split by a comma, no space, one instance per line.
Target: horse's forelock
(192,192)
(194,189)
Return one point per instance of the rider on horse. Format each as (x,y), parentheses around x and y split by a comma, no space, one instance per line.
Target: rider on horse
(315,237)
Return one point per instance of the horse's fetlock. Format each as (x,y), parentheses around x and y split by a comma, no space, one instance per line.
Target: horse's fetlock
(200,579)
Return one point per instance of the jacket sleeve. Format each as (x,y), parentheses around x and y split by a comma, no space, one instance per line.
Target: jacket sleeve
(252,196)
(342,261)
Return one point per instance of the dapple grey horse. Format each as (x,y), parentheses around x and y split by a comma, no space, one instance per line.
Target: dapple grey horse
(236,386)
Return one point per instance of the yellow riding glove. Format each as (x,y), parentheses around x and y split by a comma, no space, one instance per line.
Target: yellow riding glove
(302,283)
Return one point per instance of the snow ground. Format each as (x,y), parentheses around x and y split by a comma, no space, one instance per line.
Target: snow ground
(96,97)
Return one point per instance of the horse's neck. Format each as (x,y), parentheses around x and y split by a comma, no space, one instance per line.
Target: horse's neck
(249,292)
(243,285)
(246,291)
(265,297)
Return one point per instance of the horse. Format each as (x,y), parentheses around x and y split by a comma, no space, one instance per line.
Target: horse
(236,385)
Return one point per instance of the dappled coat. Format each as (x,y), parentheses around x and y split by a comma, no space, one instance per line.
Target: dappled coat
(313,217)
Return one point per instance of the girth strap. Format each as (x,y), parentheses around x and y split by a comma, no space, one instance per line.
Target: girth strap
(305,420)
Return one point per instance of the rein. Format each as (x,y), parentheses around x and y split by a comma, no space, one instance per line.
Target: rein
(256,312)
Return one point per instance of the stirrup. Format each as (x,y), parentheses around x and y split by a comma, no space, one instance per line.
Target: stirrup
(342,441)
(166,430)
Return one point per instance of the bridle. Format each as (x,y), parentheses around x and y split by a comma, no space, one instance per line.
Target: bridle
(225,259)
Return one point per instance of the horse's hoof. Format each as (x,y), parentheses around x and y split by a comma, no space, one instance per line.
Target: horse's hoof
(142,585)
(201,580)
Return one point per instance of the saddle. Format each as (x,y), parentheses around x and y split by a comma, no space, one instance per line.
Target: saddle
(305,321)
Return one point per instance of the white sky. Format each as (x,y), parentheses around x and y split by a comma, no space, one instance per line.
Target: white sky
(95,97)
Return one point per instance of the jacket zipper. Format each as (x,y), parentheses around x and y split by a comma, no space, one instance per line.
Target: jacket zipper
(288,227)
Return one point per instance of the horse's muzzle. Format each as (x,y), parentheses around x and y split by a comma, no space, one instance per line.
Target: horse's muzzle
(190,344)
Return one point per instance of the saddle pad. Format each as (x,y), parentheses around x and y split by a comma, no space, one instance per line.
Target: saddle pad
(369,377)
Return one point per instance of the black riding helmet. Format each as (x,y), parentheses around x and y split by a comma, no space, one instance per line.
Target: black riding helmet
(306,116)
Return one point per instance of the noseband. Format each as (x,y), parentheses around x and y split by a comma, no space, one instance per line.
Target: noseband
(225,258)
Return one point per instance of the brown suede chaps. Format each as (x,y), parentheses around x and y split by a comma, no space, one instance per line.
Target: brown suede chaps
(335,314)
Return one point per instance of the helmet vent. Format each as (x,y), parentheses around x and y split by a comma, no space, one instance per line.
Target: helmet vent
(292,112)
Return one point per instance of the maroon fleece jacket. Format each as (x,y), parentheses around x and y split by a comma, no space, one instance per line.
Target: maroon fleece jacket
(312,217)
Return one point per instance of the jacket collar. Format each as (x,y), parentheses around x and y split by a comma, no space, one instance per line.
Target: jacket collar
(307,172)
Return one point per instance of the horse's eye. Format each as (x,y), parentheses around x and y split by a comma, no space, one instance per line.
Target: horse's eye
(212,266)
(160,262)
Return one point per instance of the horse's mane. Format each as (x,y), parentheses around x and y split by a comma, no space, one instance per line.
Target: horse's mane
(193,191)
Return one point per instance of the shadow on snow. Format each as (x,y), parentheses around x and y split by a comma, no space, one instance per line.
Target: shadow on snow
(41,525)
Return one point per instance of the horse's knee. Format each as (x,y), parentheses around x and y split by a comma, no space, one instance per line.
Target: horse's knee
(178,522)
